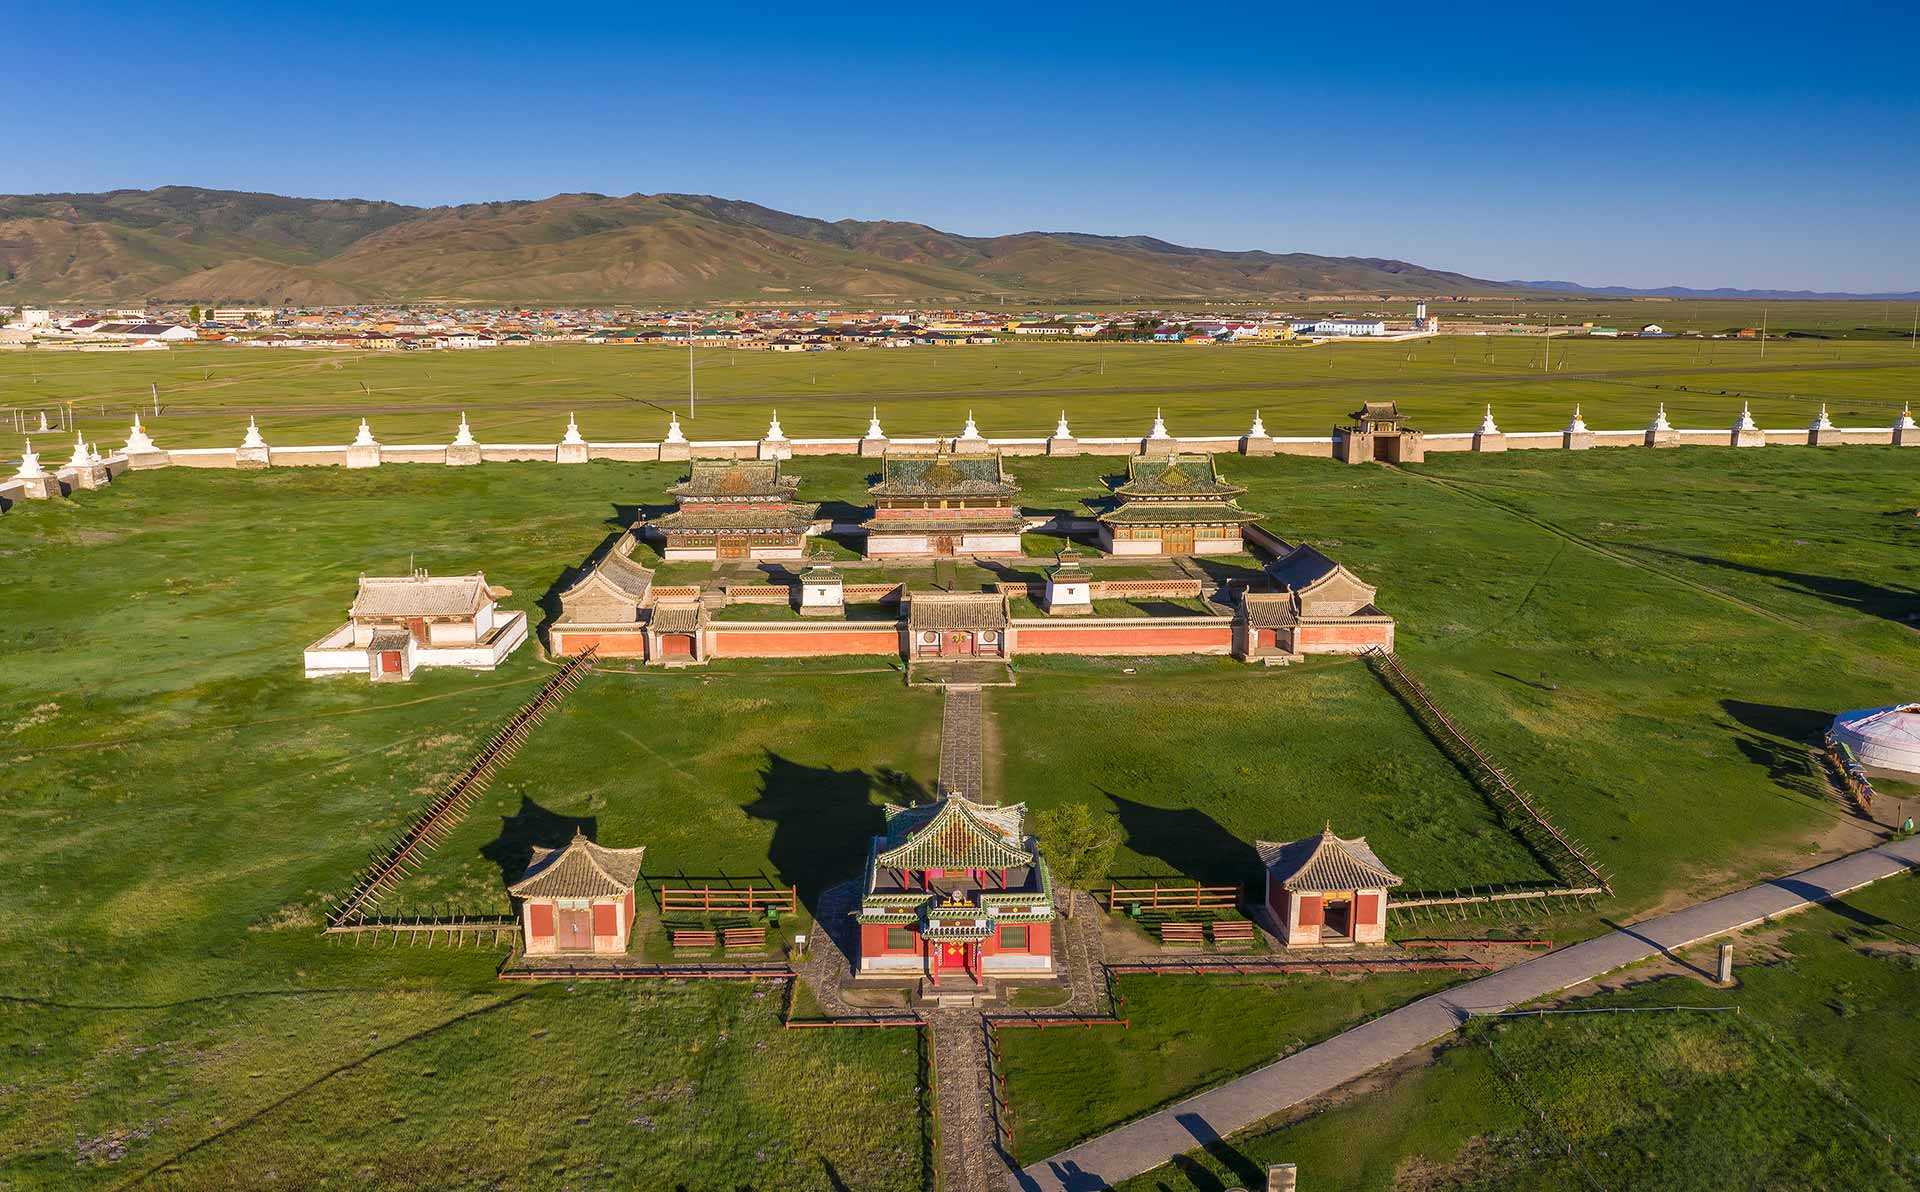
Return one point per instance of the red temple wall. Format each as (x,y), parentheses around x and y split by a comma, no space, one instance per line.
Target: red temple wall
(744,643)
(1308,638)
(540,919)
(612,645)
(1124,639)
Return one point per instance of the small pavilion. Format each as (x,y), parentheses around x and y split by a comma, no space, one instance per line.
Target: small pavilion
(578,899)
(958,889)
(1174,505)
(735,509)
(1326,890)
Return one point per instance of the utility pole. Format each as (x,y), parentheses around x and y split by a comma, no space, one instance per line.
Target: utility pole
(1914,342)
(689,366)
(1763,333)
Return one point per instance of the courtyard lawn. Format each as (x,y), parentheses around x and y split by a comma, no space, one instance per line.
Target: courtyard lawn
(1186,1033)
(1650,641)
(1812,1083)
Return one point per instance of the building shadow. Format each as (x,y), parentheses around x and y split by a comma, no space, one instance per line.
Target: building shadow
(1246,1173)
(1188,841)
(1899,605)
(531,826)
(844,512)
(1780,737)
(549,602)
(1225,571)
(823,820)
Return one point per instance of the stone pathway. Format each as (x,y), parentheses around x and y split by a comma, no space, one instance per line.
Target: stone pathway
(960,743)
(970,1155)
(1218,1113)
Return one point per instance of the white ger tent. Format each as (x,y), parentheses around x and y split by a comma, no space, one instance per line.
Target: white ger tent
(1882,738)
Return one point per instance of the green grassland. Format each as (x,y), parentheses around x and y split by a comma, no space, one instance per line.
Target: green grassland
(1650,640)
(624,393)
(1810,1084)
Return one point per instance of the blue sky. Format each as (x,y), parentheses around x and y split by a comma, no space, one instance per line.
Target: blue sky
(1753,146)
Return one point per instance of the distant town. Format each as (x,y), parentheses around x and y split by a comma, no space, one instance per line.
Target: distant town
(425,328)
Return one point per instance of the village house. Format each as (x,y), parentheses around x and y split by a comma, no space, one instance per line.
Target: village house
(399,624)
(578,899)
(735,509)
(938,503)
(1319,607)
(1326,891)
(956,889)
(1174,505)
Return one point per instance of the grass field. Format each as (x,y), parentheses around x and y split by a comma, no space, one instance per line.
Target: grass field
(1812,1083)
(1651,641)
(523,395)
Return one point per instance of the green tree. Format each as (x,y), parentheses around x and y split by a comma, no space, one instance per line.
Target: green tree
(1078,841)
(193,315)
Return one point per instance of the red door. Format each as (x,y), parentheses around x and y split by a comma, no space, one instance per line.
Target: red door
(676,645)
(956,642)
(574,929)
(952,956)
(390,662)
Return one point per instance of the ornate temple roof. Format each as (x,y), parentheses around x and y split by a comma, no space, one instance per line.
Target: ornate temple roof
(692,519)
(955,833)
(738,479)
(1162,476)
(618,573)
(421,596)
(1325,862)
(683,616)
(940,474)
(582,869)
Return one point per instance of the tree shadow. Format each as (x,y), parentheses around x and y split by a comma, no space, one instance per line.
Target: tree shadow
(1899,605)
(1187,840)
(823,819)
(528,827)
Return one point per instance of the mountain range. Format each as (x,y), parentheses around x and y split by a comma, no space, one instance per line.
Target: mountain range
(186,243)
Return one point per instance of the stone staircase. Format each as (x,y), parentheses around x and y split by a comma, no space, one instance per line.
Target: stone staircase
(953,993)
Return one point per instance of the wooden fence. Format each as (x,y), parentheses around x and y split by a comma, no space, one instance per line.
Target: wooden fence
(456,930)
(1853,777)
(1547,836)
(1160,897)
(436,821)
(707,899)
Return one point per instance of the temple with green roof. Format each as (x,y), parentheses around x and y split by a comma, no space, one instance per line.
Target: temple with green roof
(956,889)
(1174,505)
(939,503)
(735,509)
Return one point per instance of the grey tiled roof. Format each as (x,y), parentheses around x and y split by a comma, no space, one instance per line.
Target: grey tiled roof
(1325,862)
(956,610)
(941,474)
(421,596)
(582,869)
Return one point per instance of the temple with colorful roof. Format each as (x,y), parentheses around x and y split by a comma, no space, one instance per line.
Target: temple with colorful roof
(941,503)
(1174,505)
(956,889)
(735,509)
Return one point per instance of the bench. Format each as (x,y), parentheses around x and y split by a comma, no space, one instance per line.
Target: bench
(1234,932)
(1183,934)
(684,941)
(744,939)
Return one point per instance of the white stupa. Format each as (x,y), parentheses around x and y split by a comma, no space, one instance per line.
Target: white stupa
(674,433)
(1822,422)
(30,468)
(970,432)
(1746,421)
(81,456)
(572,437)
(1905,421)
(1060,429)
(93,454)
(873,426)
(1579,425)
(44,428)
(1660,419)
(1882,738)
(138,442)
(253,438)
(1487,426)
(365,436)
(774,433)
(1259,429)
(462,437)
(1159,428)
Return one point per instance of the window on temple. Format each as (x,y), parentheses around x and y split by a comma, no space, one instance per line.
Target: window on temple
(1014,938)
(899,939)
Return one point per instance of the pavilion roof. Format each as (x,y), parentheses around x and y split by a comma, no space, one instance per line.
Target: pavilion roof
(582,869)
(1326,862)
(421,596)
(955,833)
(1200,512)
(738,478)
(956,610)
(1175,475)
(687,519)
(685,616)
(942,474)
(619,571)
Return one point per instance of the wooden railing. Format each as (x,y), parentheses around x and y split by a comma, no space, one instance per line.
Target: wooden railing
(1158,896)
(707,899)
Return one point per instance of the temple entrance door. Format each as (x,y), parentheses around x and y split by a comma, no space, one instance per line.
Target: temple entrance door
(733,548)
(953,955)
(389,662)
(956,643)
(1339,920)
(1383,448)
(945,545)
(573,929)
(1177,540)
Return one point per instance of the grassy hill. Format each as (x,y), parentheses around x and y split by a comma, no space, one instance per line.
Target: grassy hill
(189,243)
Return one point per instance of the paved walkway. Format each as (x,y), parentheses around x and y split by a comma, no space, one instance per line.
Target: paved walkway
(1221,1112)
(961,742)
